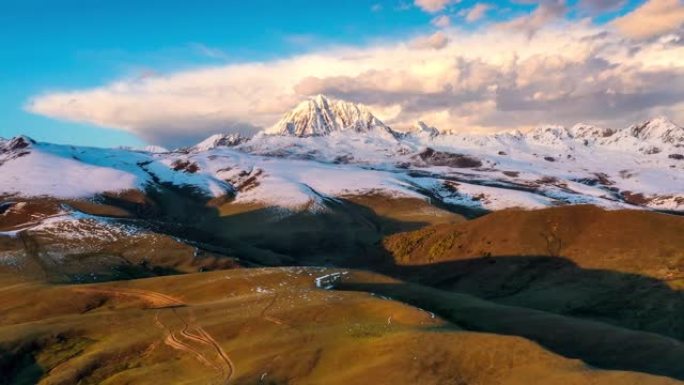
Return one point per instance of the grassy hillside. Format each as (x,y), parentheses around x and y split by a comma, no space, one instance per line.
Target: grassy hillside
(571,295)
(79,241)
(622,267)
(256,326)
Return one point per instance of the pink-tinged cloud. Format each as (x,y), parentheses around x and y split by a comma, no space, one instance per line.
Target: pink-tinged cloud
(477,12)
(437,40)
(432,6)
(546,12)
(653,18)
(442,21)
(487,79)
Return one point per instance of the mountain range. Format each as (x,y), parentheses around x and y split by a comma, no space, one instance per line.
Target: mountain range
(325,149)
(549,256)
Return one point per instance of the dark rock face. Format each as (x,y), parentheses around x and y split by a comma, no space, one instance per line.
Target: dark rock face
(430,157)
(603,179)
(185,166)
(651,150)
(16,143)
(20,142)
(15,148)
(512,174)
(231,141)
(637,199)
(4,206)
(676,156)
(549,159)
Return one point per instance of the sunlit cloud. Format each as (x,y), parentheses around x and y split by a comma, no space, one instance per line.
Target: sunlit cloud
(442,21)
(653,18)
(437,40)
(487,79)
(432,6)
(477,12)
(546,12)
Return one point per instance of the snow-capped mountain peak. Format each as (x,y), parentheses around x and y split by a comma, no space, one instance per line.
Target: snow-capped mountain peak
(16,143)
(219,140)
(590,132)
(659,128)
(423,129)
(154,149)
(320,116)
(549,135)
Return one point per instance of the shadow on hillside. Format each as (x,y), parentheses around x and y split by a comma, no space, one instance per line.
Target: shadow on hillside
(598,344)
(343,233)
(350,235)
(558,285)
(608,319)
(19,367)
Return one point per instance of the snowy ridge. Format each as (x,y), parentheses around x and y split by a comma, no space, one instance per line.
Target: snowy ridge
(660,130)
(636,166)
(219,140)
(31,169)
(296,184)
(71,224)
(155,149)
(423,130)
(326,149)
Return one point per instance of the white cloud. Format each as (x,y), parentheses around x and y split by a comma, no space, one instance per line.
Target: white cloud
(546,11)
(432,6)
(437,40)
(477,12)
(653,18)
(488,79)
(442,21)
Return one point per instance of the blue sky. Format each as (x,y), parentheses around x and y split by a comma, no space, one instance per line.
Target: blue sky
(60,45)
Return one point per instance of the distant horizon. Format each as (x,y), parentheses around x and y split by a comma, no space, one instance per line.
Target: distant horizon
(176,74)
(403,129)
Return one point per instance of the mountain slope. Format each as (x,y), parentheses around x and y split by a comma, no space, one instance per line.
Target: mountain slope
(581,261)
(219,140)
(30,169)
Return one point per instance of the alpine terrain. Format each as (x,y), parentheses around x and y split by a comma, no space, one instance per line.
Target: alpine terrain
(551,256)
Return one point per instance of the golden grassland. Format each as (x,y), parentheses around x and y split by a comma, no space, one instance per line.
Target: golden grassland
(252,326)
(567,295)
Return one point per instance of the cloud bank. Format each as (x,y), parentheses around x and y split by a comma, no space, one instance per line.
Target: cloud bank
(502,76)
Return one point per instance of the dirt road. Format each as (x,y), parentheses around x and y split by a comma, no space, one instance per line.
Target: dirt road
(182,332)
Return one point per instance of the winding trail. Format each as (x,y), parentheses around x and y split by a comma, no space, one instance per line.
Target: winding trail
(175,343)
(225,364)
(156,300)
(267,307)
(183,333)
